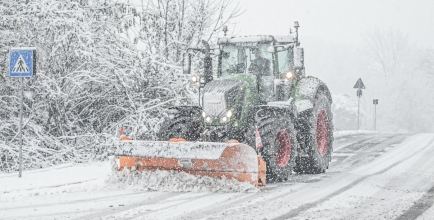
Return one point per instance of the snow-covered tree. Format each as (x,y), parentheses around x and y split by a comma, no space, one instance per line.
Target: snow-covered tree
(388,51)
(402,82)
(101,64)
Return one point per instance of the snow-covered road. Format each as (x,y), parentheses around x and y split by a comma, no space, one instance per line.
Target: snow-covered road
(372,176)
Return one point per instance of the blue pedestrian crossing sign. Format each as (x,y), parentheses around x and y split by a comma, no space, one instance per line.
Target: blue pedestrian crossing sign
(22,62)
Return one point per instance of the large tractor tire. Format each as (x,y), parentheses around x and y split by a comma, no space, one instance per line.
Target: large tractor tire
(279,142)
(182,122)
(316,136)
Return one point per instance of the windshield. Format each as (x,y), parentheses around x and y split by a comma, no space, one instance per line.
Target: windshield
(246,59)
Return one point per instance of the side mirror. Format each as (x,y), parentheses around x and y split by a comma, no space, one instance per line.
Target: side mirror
(186,63)
(298,58)
(207,69)
(270,49)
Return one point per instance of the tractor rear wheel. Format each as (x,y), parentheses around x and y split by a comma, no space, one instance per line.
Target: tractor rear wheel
(279,143)
(317,136)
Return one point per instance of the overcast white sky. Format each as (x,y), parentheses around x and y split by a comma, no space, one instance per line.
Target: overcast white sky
(333,31)
(339,20)
(333,34)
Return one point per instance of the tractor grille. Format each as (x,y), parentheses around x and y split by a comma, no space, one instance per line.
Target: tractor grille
(219,95)
(214,103)
(221,86)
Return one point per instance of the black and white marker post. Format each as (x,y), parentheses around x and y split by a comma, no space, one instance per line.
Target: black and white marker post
(22,63)
(359,86)
(375,113)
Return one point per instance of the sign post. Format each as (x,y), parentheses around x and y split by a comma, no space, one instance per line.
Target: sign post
(359,86)
(22,63)
(375,113)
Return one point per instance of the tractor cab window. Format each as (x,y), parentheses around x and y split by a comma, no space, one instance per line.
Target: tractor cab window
(285,60)
(251,59)
(233,60)
(246,59)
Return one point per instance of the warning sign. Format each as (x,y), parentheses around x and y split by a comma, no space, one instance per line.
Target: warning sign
(20,66)
(359,84)
(22,62)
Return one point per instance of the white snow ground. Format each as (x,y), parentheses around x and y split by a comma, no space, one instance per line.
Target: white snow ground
(372,176)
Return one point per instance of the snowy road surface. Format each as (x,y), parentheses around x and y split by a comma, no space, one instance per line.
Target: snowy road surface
(372,176)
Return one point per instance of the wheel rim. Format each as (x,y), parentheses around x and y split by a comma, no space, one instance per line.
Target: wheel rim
(284,153)
(322,132)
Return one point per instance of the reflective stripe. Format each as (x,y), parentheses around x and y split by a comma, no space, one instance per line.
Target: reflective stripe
(258,139)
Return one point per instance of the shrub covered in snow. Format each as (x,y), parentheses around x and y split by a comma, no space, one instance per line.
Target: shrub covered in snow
(100,64)
(344,108)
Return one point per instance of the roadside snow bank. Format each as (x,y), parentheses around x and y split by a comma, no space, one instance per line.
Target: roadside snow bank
(57,179)
(174,181)
(337,134)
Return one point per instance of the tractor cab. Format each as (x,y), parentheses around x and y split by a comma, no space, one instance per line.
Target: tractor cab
(263,58)
(251,71)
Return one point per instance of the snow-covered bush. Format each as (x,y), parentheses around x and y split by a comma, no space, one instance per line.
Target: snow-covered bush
(344,108)
(101,64)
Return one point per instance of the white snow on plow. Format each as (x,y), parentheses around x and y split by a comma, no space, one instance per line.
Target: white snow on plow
(164,149)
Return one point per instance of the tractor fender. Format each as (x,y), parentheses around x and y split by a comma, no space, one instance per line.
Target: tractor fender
(276,109)
(305,92)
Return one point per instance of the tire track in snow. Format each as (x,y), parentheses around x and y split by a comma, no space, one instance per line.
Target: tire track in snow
(156,200)
(295,188)
(69,202)
(295,212)
(95,214)
(385,196)
(49,187)
(231,201)
(348,141)
(373,150)
(420,206)
(173,207)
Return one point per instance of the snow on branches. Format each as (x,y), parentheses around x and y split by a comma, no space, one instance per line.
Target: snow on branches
(101,64)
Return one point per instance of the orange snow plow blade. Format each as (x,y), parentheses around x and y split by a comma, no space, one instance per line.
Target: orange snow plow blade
(231,160)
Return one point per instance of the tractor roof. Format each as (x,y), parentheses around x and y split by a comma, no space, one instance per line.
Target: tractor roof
(257,38)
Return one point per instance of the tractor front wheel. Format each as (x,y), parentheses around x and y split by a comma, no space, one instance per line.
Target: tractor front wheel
(279,143)
(317,136)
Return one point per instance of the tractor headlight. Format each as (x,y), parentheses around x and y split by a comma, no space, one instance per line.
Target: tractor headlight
(227,116)
(203,114)
(224,119)
(194,79)
(289,75)
(229,113)
(208,119)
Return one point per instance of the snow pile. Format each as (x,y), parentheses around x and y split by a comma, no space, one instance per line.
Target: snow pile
(344,108)
(174,181)
(345,102)
(337,134)
(59,179)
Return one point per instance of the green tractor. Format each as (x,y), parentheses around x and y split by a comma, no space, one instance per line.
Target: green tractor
(260,97)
